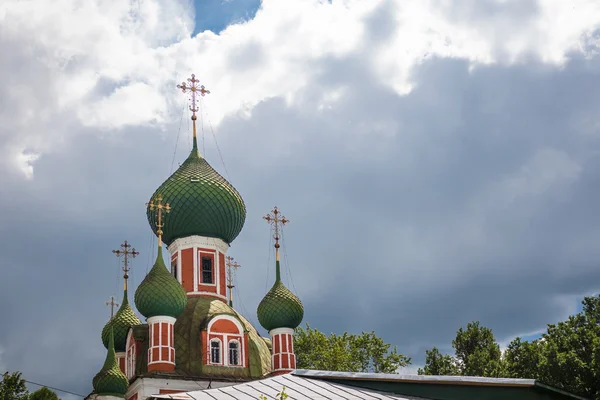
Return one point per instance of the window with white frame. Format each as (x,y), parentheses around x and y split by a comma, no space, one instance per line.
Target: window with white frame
(207,270)
(234,352)
(215,351)
(130,361)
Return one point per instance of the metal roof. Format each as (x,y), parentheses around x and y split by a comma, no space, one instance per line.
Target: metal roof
(297,387)
(431,379)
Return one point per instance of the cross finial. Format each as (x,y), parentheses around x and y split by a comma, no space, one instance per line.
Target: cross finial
(232,265)
(112,303)
(126,253)
(193,88)
(277,221)
(159,206)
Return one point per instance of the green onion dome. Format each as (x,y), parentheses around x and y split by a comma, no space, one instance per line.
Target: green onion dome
(120,325)
(110,381)
(203,203)
(160,294)
(280,308)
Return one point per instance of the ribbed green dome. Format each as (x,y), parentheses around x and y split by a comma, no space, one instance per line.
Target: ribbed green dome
(120,324)
(203,203)
(110,381)
(160,294)
(280,308)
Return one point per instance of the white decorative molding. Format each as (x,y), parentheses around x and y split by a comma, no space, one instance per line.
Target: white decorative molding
(228,318)
(198,241)
(157,319)
(207,294)
(227,338)
(279,331)
(146,387)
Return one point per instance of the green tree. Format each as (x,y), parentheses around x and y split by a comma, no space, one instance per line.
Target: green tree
(437,363)
(353,353)
(43,394)
(13,387)
(476,354)
(570,357)
(522,359)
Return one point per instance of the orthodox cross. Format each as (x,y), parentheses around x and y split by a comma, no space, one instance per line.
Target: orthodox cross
(159,206)
(112,303)
(231,267)
(277,221)
(126,253)
(193,88)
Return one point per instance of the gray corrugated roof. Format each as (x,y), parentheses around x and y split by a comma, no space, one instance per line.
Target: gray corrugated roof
(297,388)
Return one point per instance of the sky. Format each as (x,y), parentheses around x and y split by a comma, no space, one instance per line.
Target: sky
(439,161)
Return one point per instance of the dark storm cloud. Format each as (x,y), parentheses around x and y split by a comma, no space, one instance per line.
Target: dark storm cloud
(472,197)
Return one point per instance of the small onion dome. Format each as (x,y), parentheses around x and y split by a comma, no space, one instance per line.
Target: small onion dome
(280,308)
(120,324)
(160,294)
(110,381)
(203,203)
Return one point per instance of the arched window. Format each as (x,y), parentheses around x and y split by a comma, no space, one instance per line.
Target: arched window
(234,352)
(215,351)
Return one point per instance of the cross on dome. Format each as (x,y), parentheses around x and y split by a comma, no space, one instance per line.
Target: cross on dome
(277,222)
(159,206)
(126,253)
(112,303)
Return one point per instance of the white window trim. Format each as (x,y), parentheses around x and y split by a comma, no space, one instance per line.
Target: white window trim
(210,359)
(215,265)
(239,351)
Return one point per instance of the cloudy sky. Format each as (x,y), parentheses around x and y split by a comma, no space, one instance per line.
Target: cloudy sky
(439,160)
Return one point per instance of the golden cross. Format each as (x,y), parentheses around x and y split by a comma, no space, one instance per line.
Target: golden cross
(193,88)
(159,206)
(126,253)
(278,222)
(112,303)
(231,267)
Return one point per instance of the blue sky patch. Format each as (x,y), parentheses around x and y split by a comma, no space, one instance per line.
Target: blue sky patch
(216,15)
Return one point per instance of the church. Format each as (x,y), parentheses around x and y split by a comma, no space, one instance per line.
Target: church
(192,336)
(193,344)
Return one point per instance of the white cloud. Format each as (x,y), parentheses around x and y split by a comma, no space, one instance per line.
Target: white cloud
(113,64)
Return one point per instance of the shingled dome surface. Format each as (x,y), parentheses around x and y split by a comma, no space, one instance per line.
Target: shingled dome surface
(280,308)
(203,203)
(160,294)
(124,319)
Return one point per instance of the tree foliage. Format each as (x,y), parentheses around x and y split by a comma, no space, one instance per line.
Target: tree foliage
(353,353)
(476,353)
(437,363)
(43,394)
(567,356)
(13,387)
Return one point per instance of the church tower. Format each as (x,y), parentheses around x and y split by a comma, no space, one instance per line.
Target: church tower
(110,383)
(280,311)
(192,336)
(208,214)
(161,299)
(125,318)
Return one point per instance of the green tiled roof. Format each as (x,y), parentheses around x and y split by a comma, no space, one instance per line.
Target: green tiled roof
(203,203)
(120,324)
(280,308)
(189,350)
(160,294)
(110,381)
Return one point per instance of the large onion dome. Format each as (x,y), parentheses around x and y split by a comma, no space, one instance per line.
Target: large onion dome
(110,381)
(203,203)
(280,308)
(160,294)
(120,325)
